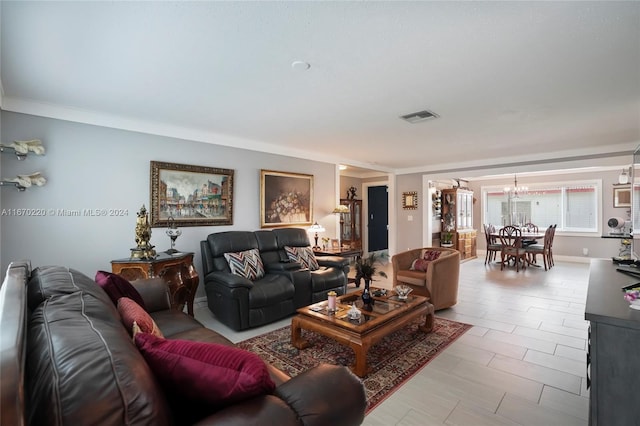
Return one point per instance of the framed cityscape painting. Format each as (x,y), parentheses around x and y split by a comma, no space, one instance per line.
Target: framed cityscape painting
(286,199)
(190,195)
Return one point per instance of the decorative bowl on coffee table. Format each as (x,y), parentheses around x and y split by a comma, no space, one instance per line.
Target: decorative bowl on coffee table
(403,291)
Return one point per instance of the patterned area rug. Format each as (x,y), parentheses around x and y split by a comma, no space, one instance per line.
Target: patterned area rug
(391,362)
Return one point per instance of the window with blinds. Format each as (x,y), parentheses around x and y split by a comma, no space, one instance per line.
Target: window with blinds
(572,206)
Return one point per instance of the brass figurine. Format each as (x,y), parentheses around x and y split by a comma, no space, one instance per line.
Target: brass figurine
(144,250)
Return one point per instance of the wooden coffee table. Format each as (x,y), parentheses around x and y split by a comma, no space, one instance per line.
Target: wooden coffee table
(389,314)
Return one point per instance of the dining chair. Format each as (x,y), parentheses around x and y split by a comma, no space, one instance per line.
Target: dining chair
(544,249)
(511,240)
(532,228)
(493,246)
(553,236)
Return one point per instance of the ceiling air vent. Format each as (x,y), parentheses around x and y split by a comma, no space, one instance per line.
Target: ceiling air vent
(420,116)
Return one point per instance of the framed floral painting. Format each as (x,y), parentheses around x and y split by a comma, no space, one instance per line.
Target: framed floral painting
(286,199)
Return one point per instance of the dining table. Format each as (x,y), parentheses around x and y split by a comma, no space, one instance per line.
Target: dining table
(524,236)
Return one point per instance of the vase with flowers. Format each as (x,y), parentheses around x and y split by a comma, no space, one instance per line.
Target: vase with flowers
(366,268)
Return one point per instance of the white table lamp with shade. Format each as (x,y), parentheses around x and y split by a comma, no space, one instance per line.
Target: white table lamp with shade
(316,228)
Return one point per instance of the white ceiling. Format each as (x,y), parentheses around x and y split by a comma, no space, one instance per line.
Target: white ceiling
(511,81)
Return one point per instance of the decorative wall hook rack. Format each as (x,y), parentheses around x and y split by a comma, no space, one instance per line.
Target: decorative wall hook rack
(22,148)
(22,182)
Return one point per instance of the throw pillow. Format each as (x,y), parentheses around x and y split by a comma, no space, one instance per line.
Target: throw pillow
(247,264)
(431,254)
(304,256)
(116,287)
(209,374)
(420,265)
(133,314)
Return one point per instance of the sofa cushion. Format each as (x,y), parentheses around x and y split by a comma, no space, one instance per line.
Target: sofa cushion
(116,287)
(247,264)
(302,255)
(270,291)
(205,374)
(133,315)
(412,277)
(78,352)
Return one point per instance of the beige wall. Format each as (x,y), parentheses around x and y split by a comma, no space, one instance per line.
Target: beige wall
(411,233)
(91,167)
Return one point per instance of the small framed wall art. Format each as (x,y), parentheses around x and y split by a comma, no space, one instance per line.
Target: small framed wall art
(410,200)
(622,196)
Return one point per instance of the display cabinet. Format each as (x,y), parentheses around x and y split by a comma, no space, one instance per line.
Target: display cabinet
(457,220)
(351,224)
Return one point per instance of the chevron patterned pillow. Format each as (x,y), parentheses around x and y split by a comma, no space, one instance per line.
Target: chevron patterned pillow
(247,264)
(304,256)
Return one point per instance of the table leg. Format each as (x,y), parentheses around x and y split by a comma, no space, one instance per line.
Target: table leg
(360,366)
(428,320)
(296,335)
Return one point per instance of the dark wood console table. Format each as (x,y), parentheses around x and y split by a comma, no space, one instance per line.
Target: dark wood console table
(354,254)
(177,270)
(613,348)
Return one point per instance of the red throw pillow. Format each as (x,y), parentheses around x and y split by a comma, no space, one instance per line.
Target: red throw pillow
(209,374)
(116,287)
(431,254)
(132,313)
(420,265)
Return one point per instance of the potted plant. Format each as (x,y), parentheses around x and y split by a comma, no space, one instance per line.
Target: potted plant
(366,268)
(446,239)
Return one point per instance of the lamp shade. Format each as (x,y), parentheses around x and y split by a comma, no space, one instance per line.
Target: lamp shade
(316,227)
(341,209)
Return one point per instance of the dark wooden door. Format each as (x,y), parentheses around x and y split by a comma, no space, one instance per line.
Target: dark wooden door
(378,218)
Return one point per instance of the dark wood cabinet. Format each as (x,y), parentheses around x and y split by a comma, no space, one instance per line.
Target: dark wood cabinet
(351,224)
(612,348)
(177,270)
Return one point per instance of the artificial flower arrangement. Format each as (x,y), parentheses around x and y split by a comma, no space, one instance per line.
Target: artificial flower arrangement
(288,207)
(633,294)
(633,297)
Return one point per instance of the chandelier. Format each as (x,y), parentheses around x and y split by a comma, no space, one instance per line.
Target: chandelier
(516,190)
(513,194)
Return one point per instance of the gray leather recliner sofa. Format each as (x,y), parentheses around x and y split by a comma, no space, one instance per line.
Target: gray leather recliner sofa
(286,286)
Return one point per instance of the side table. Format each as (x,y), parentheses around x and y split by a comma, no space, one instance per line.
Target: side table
(354,254)
(177,270)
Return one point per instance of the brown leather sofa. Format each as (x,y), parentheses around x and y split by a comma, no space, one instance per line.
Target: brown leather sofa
(66,359)
(439,282)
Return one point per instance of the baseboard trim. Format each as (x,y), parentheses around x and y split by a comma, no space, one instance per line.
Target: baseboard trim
(573,259)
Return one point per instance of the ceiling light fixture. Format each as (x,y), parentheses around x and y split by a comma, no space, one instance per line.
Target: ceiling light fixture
(420,116)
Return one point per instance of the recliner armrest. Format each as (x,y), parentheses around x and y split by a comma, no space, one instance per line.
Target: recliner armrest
(336,261)
(315,388)
(228,279)
(154,292)
(282,266)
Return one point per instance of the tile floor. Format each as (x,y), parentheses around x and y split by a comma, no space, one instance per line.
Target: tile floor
(523,362)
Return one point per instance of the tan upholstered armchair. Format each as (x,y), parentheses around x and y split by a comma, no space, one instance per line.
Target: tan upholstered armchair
(439,282)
